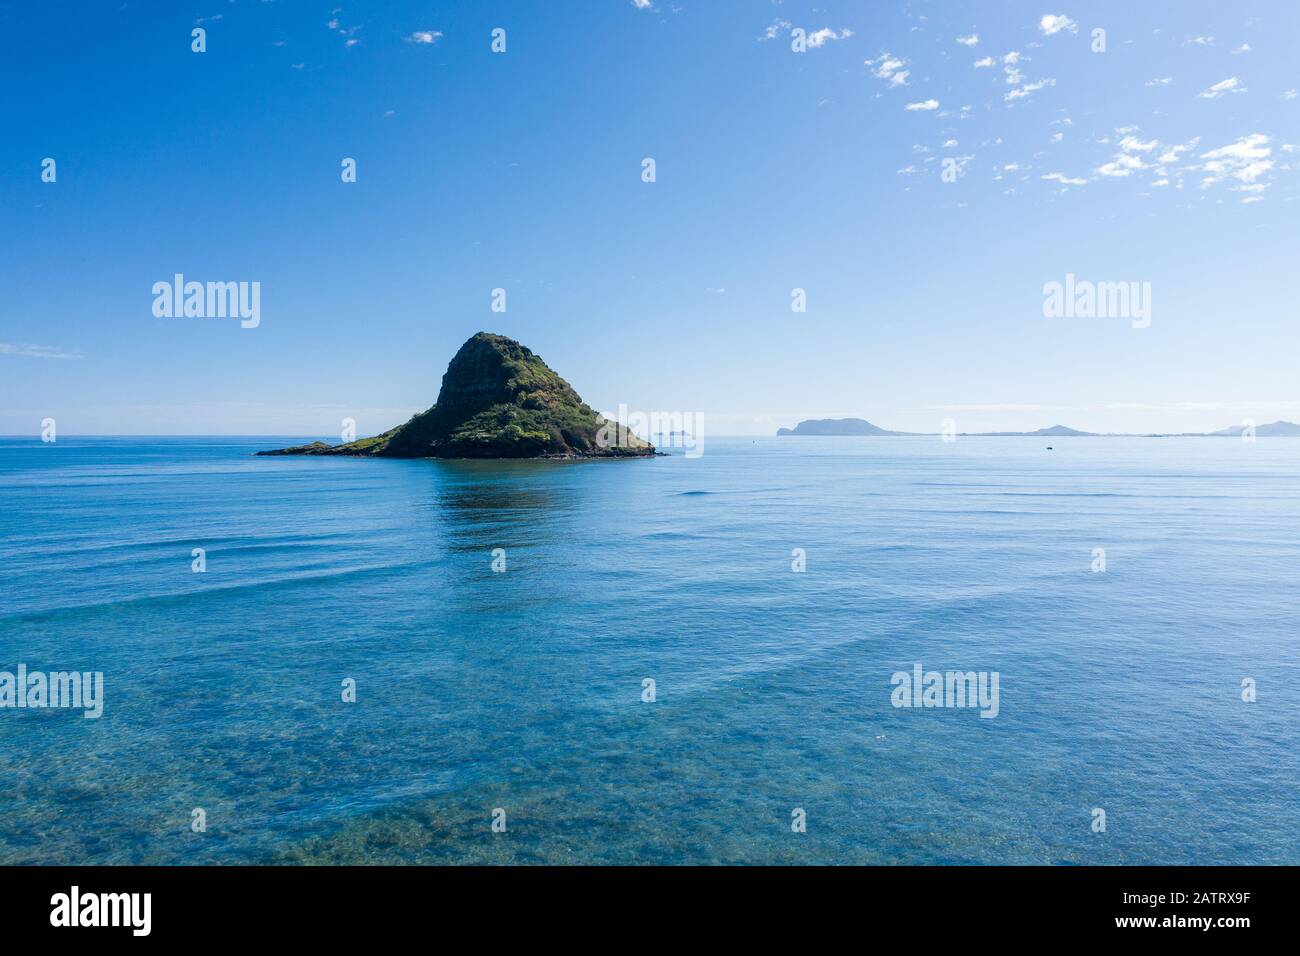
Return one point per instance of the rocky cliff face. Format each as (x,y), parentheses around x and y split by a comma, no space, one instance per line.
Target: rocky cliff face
(498,400)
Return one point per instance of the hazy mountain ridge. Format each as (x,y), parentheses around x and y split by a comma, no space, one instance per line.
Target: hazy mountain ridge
(863,428)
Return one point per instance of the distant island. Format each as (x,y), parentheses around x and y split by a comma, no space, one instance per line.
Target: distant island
(498,400)
(860,426)
(836,426)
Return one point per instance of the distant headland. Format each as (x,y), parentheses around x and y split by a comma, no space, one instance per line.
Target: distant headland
(836,426)
(498,400)
(860,426)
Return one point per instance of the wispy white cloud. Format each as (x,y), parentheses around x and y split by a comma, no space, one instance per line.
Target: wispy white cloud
(820,37)
(1028,89)
(1121,165)
(925,105)
(1065,180)
(1223,87)
(972,40)
(425,36)
(348,32)
(39,351)
(887,67)
(1245,161)
(1132,144)
(999,407)
(1010,67)
(1172,154)
(1054,23)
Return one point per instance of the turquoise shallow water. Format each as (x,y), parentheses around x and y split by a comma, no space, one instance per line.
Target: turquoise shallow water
(522,690)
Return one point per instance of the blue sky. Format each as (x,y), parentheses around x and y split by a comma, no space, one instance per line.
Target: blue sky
(1170,158)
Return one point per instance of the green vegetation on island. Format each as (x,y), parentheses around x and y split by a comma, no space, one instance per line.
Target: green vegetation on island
(498,400)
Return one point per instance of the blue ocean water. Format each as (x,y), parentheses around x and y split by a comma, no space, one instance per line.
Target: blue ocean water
(522,690)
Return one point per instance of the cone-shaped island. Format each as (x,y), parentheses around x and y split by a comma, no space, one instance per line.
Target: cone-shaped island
(498,400)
